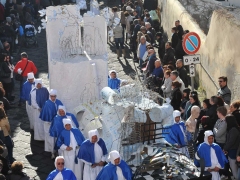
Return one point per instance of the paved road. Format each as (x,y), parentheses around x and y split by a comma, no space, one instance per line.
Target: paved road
(37,162)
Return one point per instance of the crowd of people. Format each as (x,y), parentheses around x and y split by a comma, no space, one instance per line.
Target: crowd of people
(206,130)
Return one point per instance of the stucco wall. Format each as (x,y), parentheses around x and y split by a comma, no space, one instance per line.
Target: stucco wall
(220,47)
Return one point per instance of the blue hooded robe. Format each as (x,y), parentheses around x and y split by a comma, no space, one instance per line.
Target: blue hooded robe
(86,151)
(204,151)
(109,171)
(114,83)
(57,124)
(26,89)
(49,110)
(64,137)
(42,95)
(66,173)
(175,135)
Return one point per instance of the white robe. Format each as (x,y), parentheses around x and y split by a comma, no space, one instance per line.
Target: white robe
(69,157)
(215,163)
(90,173)
(39,134)
(59,176)
(29,110)
(30,113)
(120,174)
(49,141)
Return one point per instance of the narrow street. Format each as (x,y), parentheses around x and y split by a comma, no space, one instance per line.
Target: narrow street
(37,163)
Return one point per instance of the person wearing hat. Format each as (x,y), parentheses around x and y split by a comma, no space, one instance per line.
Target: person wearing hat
(61,173)
(212,155)
(68,144)
(57,123)
(26,89)
(115,169)
(38,96)
(93,153)
(113,81)
(23,67)
(48,112)
(177,135)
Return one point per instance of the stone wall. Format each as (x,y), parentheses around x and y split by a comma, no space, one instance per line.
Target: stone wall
(219,50)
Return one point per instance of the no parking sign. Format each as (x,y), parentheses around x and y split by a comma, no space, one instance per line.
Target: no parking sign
(191,43)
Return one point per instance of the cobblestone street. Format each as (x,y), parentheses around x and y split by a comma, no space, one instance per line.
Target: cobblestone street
(38,163)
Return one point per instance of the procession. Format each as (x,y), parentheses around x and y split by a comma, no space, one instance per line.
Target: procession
(115,90)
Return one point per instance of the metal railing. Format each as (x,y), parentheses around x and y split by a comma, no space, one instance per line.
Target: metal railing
(210,77)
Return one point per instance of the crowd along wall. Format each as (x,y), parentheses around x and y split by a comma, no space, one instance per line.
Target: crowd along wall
(219,48)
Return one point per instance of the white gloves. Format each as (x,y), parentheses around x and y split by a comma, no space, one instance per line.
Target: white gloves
(19,71)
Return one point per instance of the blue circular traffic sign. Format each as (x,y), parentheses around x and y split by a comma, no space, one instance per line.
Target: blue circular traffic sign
(191,43)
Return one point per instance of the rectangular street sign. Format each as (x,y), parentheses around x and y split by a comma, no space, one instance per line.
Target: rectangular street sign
(192,70)
(191,59)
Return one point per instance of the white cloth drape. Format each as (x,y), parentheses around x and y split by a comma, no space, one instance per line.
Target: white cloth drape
(38,123)
(69,157)
(30,115)
(120,174)
(90,173)
(215,163)
(39,134)
(49,141)
(59,176)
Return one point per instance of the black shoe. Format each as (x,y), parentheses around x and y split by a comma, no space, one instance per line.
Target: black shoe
(20,104)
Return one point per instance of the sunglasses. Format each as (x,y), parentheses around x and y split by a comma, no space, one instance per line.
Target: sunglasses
(62,163)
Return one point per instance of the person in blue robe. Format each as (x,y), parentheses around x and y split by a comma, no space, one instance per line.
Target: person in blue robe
(113,81)
(38,97)
(61,173)
(68,144)
(116,169)
(24,96)
(57,123)
(48,112)
(42,94)
(93,153)
(27,87)
(212,155)
(177,135)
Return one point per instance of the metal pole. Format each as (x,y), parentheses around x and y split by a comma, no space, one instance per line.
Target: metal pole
(192,83)
(192,74)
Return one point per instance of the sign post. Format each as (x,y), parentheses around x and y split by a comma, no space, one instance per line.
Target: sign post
(191,44)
